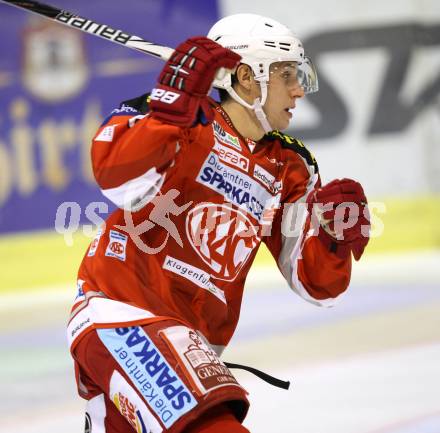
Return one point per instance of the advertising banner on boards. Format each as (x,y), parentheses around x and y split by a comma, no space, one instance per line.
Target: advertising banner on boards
(56,87)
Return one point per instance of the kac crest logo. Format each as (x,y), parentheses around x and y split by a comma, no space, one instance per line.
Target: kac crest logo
(224,237)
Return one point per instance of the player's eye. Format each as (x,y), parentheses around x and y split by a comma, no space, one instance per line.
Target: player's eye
(289,76)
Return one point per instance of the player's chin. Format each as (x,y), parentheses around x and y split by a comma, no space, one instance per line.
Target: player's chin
(283,120)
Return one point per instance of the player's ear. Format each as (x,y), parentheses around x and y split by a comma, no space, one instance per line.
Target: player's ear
(245,77)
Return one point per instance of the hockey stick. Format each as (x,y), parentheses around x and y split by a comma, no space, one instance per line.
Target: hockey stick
(102,30)
(94,28)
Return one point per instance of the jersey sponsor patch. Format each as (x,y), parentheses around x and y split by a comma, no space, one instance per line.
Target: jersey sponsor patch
(236,187)
(117,246)
(94,244)
(224,137)
(131,406)
(80,296)
(206,370)
(268,180)
(77,326)
(160,386)
(231,157)
(106,134)
(193,274)
(224,237)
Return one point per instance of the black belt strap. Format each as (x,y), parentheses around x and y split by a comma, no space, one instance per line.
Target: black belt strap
(264,376)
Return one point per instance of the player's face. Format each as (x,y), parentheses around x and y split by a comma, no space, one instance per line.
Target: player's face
(283,90)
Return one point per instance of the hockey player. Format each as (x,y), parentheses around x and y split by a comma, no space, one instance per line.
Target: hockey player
(199,186)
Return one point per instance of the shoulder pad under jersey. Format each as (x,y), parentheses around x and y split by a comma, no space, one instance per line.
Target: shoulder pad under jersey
(296,145)
(140,103)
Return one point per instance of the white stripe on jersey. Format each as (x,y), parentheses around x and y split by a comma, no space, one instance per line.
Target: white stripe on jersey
(291,246)
(99,311)
(136,193)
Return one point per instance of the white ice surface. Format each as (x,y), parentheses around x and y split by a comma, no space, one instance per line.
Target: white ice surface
(369,365)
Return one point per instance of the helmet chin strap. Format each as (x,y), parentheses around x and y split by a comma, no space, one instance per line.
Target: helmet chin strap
(261,116)
(257,106)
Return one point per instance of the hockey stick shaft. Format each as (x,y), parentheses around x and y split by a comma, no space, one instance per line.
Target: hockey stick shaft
(89,26)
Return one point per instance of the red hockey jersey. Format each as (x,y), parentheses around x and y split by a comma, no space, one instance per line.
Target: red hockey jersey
(194,206)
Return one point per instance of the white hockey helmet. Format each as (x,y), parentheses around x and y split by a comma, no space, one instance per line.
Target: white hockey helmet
(261,41)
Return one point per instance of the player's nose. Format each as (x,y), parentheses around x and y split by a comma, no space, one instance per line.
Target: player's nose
(298,91)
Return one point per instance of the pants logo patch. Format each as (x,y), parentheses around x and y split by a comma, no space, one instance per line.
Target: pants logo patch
(201,362)
(156,380)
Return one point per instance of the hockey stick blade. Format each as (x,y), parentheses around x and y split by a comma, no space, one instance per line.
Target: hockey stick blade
(89,26)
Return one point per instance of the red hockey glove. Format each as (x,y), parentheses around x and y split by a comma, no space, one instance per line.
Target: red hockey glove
(341,209)
(180,97)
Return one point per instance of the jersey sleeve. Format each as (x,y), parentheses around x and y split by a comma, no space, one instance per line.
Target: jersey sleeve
(132,153)
(313,272)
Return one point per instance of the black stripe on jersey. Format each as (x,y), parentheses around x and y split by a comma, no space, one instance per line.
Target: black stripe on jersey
(141,103)
(294,144)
